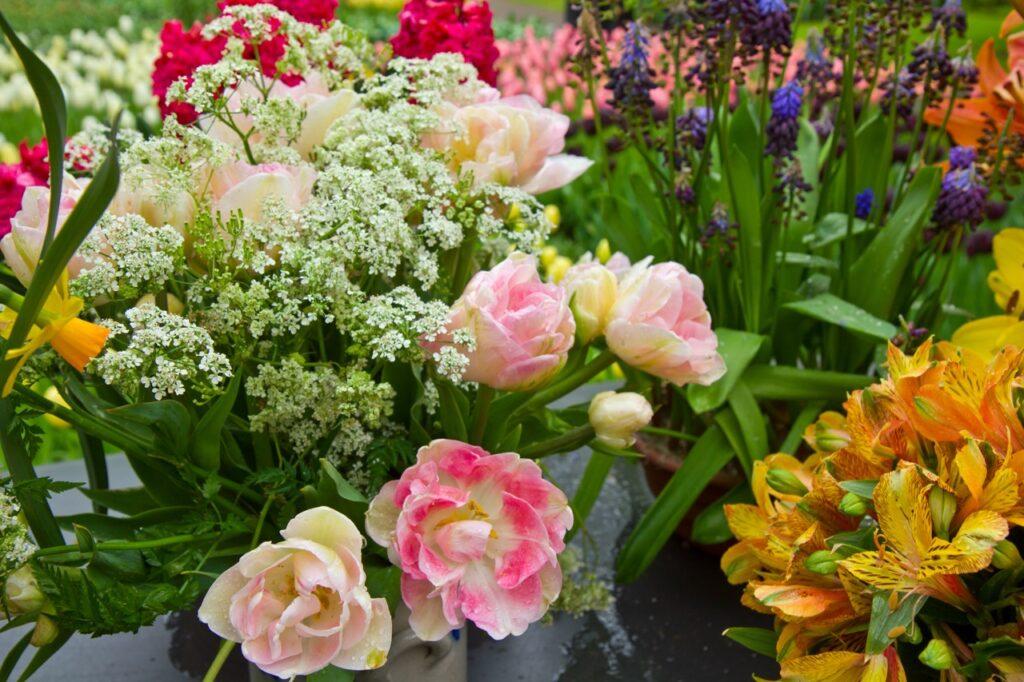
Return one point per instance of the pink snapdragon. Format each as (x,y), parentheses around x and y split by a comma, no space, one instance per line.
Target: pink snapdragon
(300,605)
(522,327)
(661,325)
(477,537)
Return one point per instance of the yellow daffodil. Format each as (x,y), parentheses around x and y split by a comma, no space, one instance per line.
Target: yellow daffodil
(988,335)
(75,340)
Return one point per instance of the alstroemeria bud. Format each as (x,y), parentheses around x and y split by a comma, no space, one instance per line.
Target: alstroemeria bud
(822,562)
(829,433)
(943,507)
(46,631)
(853,504)
(1006,555)
(785,482)
(22,593)
(616,417)
(592,290)
(938,655)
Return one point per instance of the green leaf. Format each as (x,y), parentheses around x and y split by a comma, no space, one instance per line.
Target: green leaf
(54,112)
(759,640)
(885,621)
(454,411)
(125,500)
(44,653)
(344,489)
(14,655)
(876,276)
(738,349)
(777,382)
(331,674)
(711,527)
(19,463)
(384,581)
(985,651)
(705,459)
(748,212)
(168,418)
(795,436)
(865,489)
(589,489)
(730,425)
(206,440)
(833,228)
(751,421)
(834,310)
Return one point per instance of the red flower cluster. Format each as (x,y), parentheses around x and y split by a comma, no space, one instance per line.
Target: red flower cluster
(429,27)
(318,12)
(182,52)
(15,178)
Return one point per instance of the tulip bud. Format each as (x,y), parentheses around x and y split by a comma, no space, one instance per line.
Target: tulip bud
(54,396)
(616,417)
(558,268)
(548,255)
(943,506)
(1006,555)
(174,304)
(554,216)
(785,482)
(853,505)
(822,562)
(603,252)
(21,592)
(593,290)
(938,655)
(46,631)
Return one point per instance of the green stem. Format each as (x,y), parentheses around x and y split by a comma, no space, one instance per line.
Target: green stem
(669,433)
(19,463)
(589,490)
(562,388)
(567,442)
(484,397)
(121,545)
(226,647)
(259,522)
(247,493)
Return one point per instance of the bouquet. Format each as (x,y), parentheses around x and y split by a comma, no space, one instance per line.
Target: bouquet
(809,185)
(307,312)
(890,549)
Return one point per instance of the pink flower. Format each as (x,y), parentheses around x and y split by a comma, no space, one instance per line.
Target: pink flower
(512,141)
(522,327)
(429,27)
(661,325)
(246,188)
(181,53)
(34,161)
(317,12)
(300,605)
(21,246)
(476,536)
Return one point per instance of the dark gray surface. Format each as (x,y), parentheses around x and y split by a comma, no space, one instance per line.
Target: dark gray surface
(665,627)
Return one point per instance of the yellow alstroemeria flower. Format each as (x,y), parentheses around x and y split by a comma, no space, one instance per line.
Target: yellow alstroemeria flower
(988,335)
(75,340)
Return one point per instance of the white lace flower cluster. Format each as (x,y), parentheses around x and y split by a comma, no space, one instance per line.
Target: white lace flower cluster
(306,404)
(100,72)
(15,545)
(164,354)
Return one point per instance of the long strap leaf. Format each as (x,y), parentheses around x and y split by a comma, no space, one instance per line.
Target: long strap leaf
(54,111)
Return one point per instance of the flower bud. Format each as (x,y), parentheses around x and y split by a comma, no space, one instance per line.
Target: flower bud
(1006,555)
(603,252)
(554,215)
(593,290)
(829,433)
(785,482)
(548,255)
(558,269)
(21,592)
(616,417)
(943,507)
(822,562)
(853,505)
(514,213)
(46,631)
(54,396)
(938,655)
(174,304)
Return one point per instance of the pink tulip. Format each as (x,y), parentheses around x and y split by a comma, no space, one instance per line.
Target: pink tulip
(476,536)
(660,324)
(246,188)
(511,141)
(522,326)
(300,605)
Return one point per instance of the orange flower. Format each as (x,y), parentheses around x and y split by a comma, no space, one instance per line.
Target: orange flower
(1001,90)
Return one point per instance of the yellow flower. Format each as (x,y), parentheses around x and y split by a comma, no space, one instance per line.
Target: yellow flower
(75,340)
(988,335)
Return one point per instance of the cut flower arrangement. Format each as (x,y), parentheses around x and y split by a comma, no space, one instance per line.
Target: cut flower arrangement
(307,313)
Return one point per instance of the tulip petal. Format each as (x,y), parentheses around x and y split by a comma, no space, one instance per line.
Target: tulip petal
(326,526)
(214,611)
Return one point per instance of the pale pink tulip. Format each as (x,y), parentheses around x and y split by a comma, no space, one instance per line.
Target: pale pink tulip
(246,188)
(522,326)
(477,537)
(511,141)
(661,325)
(300,605)
(22,245)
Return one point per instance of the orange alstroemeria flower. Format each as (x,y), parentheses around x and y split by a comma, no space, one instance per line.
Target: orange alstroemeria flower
(1000,91)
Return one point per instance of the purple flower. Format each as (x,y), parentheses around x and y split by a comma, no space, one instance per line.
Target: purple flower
(962,197)
(772,28)
(979,243)
(865,203)
(631,81)
(693,126)
(962,158)
(784,125)
(951,16)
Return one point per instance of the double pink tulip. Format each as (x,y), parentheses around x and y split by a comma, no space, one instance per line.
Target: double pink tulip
(477,537)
